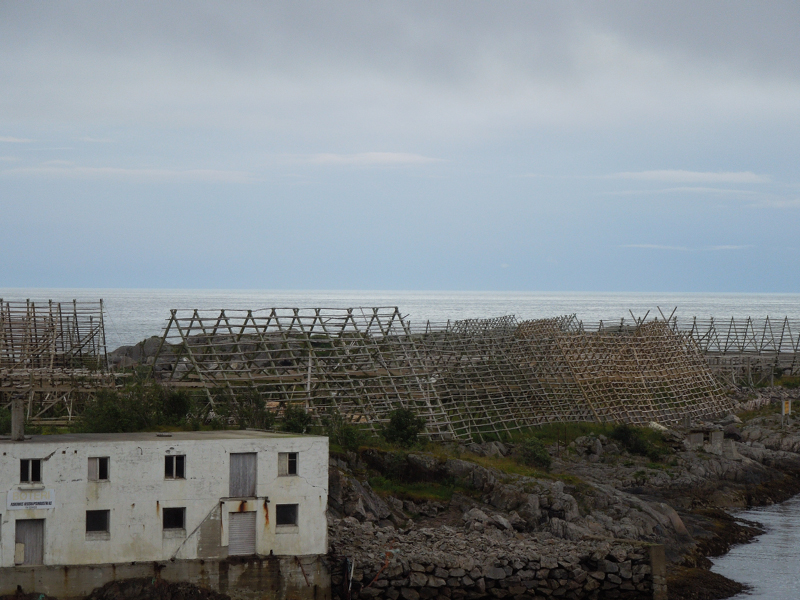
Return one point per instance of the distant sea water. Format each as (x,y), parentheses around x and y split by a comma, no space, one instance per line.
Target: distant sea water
(134,314)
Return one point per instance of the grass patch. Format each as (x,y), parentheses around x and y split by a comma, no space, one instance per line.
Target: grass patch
(563,433)
(658,466)
(507,465)
(785,381)
(763,411)
(788,382)
(419,491)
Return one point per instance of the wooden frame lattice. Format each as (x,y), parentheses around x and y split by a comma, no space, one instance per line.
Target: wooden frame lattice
(743,351)
(53,355)
(470,379)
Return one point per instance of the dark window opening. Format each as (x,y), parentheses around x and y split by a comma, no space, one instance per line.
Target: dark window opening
(288,463)
(98,469)
(30,470)
(97,520)
(174,518)
(286,514)
(175,467)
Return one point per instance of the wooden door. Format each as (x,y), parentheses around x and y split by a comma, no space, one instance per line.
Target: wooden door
(243,475)
(29,542)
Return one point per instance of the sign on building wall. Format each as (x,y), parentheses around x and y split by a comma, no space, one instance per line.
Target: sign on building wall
(31,499)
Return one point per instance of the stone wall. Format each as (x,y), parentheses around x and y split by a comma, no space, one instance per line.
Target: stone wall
(458,569)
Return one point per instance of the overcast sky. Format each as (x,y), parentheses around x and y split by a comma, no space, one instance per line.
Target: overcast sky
(619,146)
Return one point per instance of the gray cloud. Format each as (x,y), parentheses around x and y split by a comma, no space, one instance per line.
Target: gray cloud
(681,176)
(768,202)
(369,159)
(417,70)
(686,248)
(62,169)
(657,247)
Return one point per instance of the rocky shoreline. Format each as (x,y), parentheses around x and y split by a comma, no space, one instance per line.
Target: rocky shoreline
(598,506)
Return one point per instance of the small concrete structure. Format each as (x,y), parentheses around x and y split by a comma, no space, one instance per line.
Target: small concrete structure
(705,437)
(184,498)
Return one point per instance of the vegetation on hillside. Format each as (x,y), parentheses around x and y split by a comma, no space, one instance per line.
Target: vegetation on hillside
(403,428)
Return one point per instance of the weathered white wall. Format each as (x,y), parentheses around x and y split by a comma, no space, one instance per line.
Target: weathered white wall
(137,492)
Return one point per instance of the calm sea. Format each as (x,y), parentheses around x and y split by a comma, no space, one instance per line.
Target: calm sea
(770,564)
(134,314)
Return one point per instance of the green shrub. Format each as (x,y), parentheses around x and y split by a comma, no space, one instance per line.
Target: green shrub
(5,421)
(636,441)
(250,410)
(403,428)
(343,434)
(296,419)
(533,453)
(136,407)
(175,405)
(114,411)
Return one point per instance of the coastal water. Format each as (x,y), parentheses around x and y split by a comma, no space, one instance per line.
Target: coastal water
(134,314)
(771,563)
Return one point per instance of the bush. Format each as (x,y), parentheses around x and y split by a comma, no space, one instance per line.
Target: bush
(342,433)
(119,412)
(635,441)
(136,407)
(403,428)
(251,411)
(176,404)
(5,421)
(296,419)
(533,453)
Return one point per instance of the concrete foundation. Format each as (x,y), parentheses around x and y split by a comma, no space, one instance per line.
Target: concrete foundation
(242,578)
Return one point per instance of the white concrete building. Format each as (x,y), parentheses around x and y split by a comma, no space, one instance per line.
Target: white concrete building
(96,499)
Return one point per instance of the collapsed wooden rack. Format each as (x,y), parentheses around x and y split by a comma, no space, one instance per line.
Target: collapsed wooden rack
(470,379)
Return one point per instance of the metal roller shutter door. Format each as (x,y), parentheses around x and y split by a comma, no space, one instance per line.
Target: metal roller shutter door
(242,533)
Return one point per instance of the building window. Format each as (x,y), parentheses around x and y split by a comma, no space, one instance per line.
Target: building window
(285,514)
(97,524)
(30,470)
(175,467)
(174,518)
(98,469)
(287,463)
